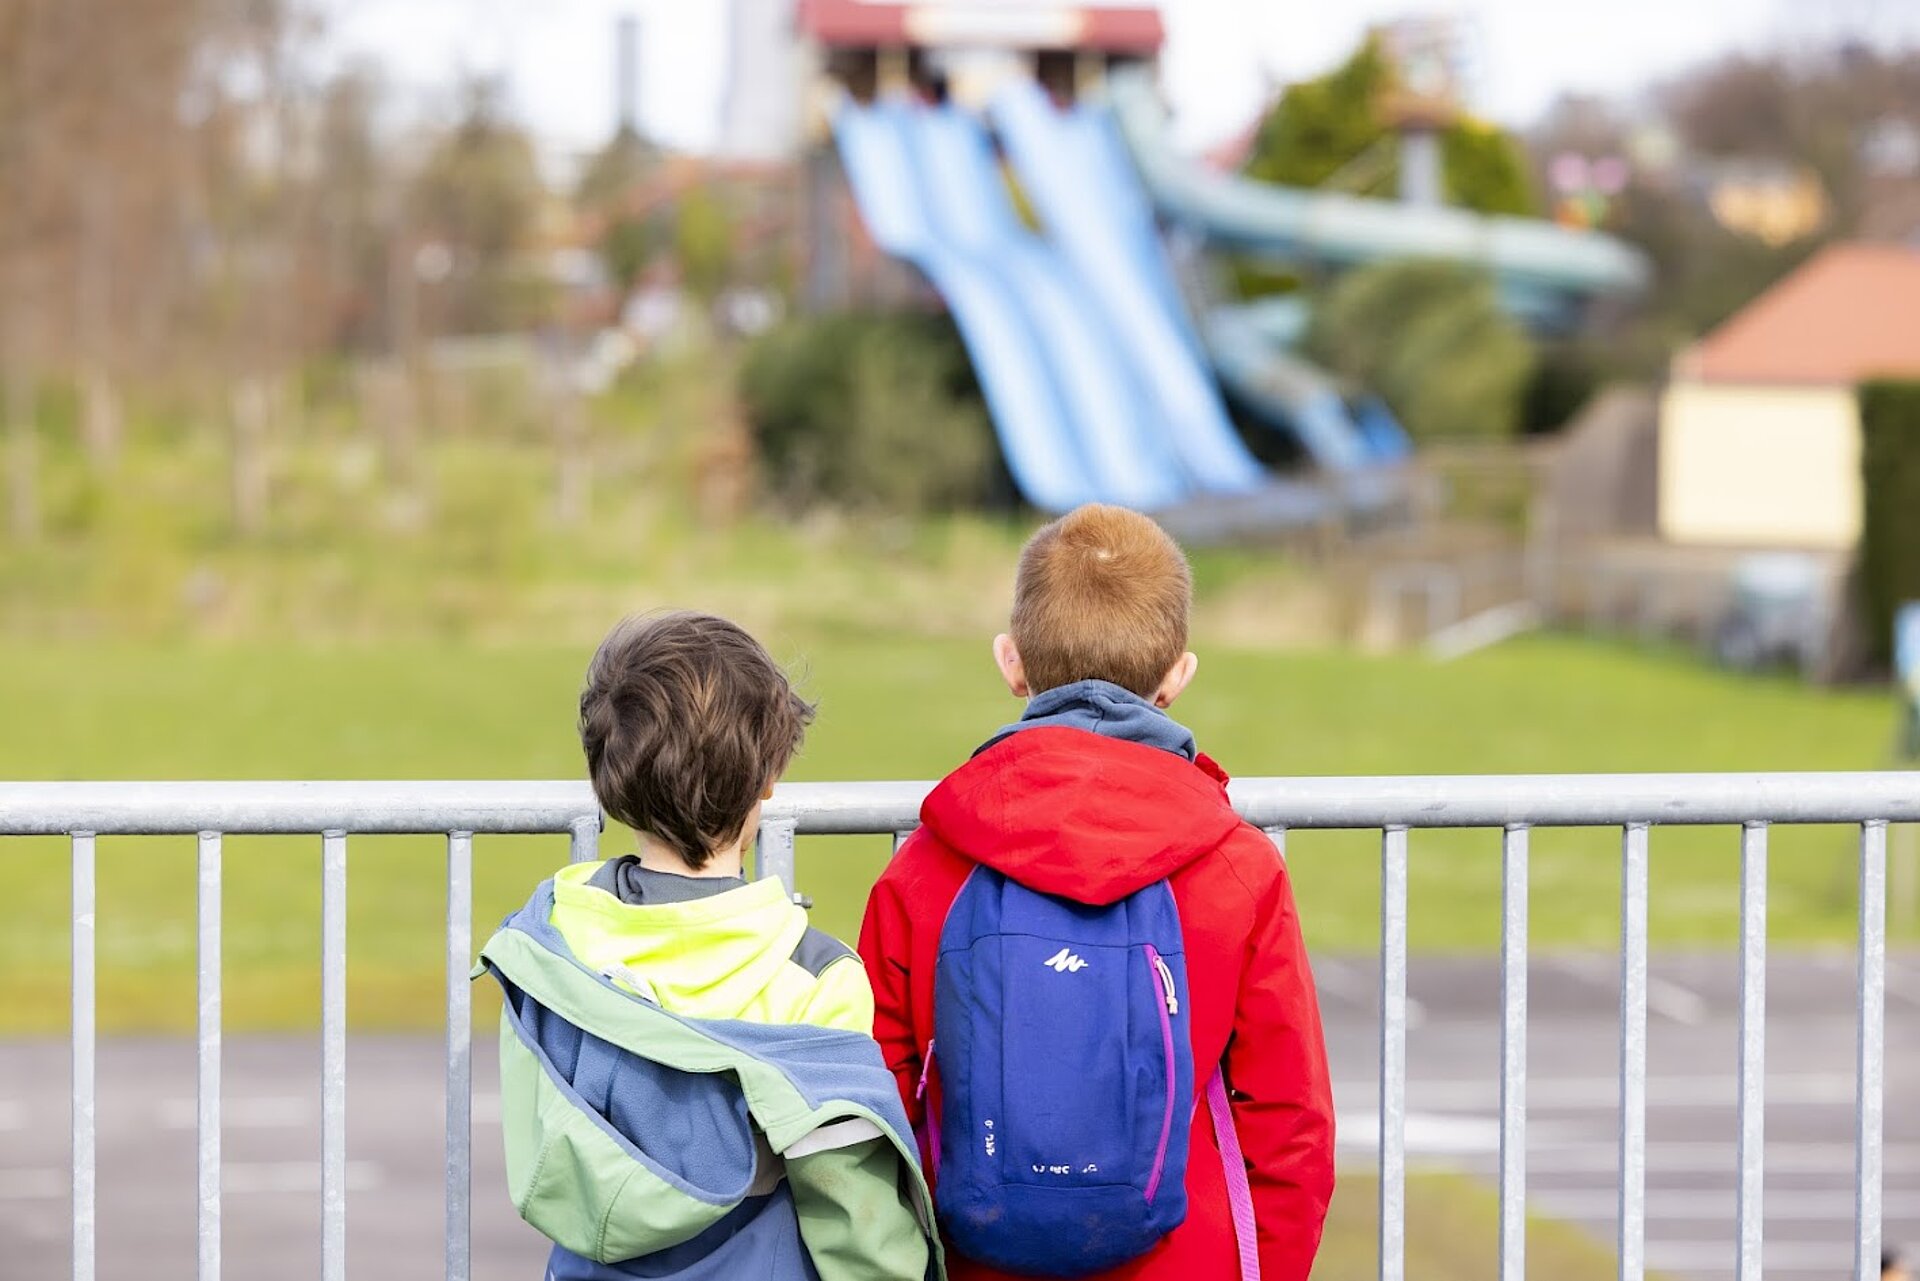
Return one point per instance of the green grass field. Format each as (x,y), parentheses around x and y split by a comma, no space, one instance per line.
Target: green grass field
(1453,1233)
(892,706)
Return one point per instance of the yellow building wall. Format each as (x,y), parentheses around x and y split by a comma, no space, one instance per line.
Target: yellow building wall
(1760,466)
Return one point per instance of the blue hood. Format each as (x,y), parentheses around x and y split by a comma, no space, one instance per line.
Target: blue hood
(1106,709)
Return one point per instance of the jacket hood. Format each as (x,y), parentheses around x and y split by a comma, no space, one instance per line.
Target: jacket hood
(1076,814)
(715,955)
(1106,709)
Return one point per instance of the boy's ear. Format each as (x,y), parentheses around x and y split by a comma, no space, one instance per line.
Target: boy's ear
(1178,677)
(1012,670)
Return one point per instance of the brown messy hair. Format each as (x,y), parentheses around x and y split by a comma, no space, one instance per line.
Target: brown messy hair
(1102,594)
(686,719)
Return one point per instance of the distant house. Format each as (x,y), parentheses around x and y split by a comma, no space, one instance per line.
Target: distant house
(1759,433)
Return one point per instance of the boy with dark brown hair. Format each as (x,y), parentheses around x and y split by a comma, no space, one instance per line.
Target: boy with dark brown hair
(687,723)
(667,1136)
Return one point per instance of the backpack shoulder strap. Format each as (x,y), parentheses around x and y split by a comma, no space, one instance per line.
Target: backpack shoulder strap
(1239,1192)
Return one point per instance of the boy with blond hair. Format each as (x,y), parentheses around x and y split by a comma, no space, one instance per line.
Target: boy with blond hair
(1089,978)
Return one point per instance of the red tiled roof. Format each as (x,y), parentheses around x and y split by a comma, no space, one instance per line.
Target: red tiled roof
(1115,26)
(1850,312)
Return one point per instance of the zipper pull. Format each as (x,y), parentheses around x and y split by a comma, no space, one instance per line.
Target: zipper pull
(1166,984)
(926,1067)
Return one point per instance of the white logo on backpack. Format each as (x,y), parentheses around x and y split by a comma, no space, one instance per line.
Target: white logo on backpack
(1064,962)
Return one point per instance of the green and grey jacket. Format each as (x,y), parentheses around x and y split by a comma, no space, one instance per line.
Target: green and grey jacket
(644,1143)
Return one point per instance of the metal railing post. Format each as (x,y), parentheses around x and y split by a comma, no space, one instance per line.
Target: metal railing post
(584,839)
(1513,1055)
(773,852)
(1869,1101)
(208,1102)
(82,1106)
(333,1056)
(1751,1150)
(1393,1054)
(1633,1053)
(459,1137)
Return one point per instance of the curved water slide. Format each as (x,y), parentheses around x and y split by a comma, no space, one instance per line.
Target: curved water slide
(1544,274)
(1072,421)
(1074,169)
(1540,267)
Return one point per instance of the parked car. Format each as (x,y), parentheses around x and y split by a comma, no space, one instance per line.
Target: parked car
(1781,614)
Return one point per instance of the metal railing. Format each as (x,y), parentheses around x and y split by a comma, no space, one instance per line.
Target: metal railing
(1515,805)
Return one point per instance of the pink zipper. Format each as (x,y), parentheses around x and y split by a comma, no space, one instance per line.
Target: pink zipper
(1169,1005)
(929,1122)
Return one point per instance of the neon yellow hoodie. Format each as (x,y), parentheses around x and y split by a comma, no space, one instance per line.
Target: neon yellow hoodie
(745,953)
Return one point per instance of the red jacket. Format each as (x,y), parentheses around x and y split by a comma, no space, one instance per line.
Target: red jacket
(1068,812)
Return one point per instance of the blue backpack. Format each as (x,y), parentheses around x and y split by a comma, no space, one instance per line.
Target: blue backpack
(1066,1074)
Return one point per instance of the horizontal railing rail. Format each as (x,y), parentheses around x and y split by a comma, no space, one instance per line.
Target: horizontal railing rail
(1515,805)
(1448,800)
(1443,800)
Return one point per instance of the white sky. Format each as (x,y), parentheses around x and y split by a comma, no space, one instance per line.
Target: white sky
(557,55)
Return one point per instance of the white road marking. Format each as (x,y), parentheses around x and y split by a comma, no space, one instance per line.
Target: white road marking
(1671,1001)
(32,1185)
(1602,1093)
(1903,984)
(1343,981)
(272,1112)
(267,1177)
(1709,1158)
(1664,997)
(237,1178)
(1697,1206)
(1428,1134)
(1712,1257)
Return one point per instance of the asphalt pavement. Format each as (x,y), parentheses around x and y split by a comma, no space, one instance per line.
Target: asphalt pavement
(270,1209)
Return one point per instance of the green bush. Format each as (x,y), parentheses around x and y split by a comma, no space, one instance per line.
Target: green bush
(1565,377)
(869,411)
(1890,525)
(1431,339)
(1336,129)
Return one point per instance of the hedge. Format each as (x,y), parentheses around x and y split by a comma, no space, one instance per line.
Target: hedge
(1890,522)
(870,411)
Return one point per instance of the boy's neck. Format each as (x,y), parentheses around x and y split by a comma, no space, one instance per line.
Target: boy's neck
(730,861)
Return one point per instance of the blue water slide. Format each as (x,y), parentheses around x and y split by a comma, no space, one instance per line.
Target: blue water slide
(1287,394)
(967,199)
(1071,427)
(1074,170)
(1035,437)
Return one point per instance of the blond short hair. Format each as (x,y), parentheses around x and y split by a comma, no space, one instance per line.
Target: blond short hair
(1102,594)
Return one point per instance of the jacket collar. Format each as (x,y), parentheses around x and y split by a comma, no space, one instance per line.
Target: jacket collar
(1106,709)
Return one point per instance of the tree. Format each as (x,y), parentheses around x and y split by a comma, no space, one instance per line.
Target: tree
(1334,131)
(1321,126)
(631,235)
(703,242)
(480,193)
(615,172)
(1431,339)
(628,244)
(1485,168)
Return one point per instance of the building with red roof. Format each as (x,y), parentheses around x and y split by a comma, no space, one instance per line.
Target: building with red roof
(1759,430)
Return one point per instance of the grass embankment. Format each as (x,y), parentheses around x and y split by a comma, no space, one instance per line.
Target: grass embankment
(892,706)
(428,616)
(1453,1232)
